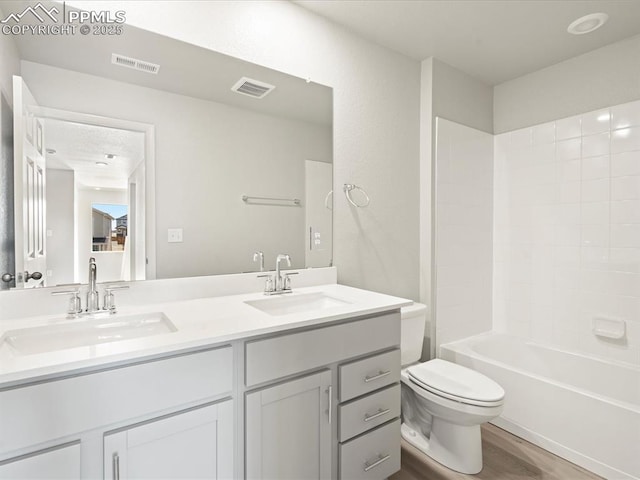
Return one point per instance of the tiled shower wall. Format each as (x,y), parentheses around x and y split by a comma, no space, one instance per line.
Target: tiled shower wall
(567,231)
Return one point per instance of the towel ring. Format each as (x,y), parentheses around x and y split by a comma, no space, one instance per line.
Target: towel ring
(326,200)
(348,187)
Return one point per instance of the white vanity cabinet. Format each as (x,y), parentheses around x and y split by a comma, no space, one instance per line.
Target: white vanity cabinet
(194,444)
(289,430)
(159,409)
(60,462)
(292,426)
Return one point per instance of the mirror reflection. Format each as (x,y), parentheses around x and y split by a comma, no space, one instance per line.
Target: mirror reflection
(214,159)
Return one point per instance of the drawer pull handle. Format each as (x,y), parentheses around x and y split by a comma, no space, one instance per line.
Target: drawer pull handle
(330,394)
(381,459)
(379,413)
(116,466)
(376,377)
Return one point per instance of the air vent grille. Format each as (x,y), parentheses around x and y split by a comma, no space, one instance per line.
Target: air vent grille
(252,88)
(134,63)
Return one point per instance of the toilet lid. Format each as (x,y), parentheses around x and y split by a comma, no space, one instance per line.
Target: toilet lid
(456,382)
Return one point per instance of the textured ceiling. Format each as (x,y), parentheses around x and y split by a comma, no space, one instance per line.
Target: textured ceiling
(492,40)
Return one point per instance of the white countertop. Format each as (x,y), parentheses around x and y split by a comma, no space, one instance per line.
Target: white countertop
(199,322)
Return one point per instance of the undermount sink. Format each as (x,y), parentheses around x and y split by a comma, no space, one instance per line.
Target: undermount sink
(293,303)
(87,331)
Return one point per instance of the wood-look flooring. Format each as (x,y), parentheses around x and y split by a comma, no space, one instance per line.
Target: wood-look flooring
(505,457)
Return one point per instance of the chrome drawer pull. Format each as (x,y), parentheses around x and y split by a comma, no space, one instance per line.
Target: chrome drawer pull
(380,460)
(116,466)
(379,413)
(376,377)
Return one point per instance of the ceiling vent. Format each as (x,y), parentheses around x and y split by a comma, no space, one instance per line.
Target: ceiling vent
(134,63)
(252,88)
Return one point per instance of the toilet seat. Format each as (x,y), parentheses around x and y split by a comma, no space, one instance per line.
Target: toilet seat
(457,383)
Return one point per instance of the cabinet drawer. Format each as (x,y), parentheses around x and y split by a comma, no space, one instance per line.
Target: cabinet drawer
(374,455)
(277,357)
(58,408)
(368,412)
(364,376)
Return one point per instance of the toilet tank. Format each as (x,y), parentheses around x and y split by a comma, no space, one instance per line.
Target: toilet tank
(412,323)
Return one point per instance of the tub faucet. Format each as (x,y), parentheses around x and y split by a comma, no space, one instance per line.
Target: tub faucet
(93,298)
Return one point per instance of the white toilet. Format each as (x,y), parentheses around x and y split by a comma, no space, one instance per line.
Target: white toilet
(443,404)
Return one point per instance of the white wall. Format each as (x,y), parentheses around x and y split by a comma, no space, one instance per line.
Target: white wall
(60,227)
(463,249)
(567,231)
(607,76)
(376,118)
(207,156)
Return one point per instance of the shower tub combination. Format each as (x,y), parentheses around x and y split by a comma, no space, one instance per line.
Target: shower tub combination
(582,409)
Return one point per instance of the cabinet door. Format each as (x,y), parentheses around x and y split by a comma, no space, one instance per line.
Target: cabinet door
(195,444)
(288,430)
(53,463)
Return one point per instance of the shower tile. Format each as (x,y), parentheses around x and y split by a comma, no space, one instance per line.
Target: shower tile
(625,235)
(570,192)
(568,128)
(593,257)
(595,190)
(568,149)
(626,115)
(596,122)
(595,213)
(594,235)
(545,133)
(625,211)
(625,140)
(594,145)
(521,140)
(625,188)
(569,171)
(625,259)
(627,163)
(595,167)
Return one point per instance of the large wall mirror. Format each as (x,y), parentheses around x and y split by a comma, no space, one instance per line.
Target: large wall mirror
(140,151)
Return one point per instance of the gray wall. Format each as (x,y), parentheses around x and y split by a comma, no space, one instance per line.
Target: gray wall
(207,156)
(461,98)
(604,77)
(376,119)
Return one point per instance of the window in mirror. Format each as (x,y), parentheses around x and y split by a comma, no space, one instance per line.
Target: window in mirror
(109,227)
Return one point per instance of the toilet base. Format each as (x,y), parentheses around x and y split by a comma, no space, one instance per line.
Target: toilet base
(458,447)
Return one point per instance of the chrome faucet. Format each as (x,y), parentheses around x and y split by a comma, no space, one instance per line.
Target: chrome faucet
(93,298)
(278,279)
(278,283)
(259,256)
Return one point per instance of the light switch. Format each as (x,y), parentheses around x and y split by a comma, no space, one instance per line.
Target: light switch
(174,235)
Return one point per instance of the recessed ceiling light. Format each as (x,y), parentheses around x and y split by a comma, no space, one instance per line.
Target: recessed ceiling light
(51,151)
(102,164)
(588,23)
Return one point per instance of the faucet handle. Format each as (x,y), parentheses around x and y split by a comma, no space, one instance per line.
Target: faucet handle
(75,303)
(286,280)
(268,284)
(110,299)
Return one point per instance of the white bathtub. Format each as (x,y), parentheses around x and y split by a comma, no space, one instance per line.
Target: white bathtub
(580,408)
